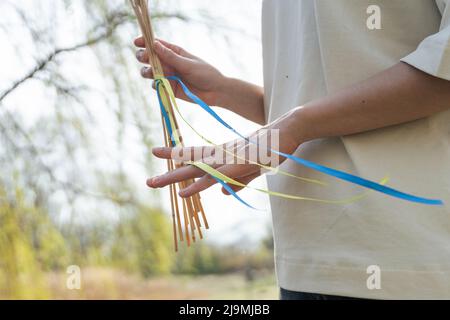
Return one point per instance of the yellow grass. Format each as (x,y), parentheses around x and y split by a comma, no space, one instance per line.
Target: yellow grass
(105,283)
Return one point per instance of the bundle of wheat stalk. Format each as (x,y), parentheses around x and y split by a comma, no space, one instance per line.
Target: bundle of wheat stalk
(187,225)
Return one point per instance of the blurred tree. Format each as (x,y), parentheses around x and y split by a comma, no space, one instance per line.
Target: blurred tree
(28,244)
(56,144)
(201,258)
(143,243)
(75,135)
(70,103)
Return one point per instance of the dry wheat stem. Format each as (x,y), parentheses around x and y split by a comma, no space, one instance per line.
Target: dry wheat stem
(191,206)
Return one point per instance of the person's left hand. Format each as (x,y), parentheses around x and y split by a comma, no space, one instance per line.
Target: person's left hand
(242,166)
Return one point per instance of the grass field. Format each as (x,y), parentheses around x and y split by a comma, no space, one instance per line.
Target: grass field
(103,283)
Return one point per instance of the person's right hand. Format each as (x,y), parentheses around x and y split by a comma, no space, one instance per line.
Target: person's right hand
(202,79)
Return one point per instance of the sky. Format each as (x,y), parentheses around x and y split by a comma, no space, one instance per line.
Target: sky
(233,47)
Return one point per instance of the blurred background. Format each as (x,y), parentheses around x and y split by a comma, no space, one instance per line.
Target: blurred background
(77,124)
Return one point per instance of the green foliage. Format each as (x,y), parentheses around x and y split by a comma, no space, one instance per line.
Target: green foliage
(29,244)
(143,242)
(205,258)
(200,258)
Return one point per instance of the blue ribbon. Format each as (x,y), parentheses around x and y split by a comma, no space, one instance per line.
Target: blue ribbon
(233,193)
(165,114)
(170,130)
(309,164)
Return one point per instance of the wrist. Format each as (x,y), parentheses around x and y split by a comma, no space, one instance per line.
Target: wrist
(224,92)
(301,129)
(242,98)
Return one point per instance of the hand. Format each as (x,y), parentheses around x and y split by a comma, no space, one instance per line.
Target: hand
(288,128)
(203,80)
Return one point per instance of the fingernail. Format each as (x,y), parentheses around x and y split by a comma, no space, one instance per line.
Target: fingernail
(139,54)
(155,180)
(150,182)
(144,71)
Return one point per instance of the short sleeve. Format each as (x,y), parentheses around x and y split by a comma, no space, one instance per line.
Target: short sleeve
(433,53)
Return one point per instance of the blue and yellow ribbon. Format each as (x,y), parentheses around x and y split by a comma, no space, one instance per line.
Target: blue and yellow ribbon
(163,85)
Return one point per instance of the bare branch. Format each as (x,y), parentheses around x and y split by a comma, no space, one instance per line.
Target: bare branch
(49,58)
(111,24)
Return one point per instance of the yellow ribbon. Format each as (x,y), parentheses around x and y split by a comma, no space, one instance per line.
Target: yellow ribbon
(269,168)
(166,87)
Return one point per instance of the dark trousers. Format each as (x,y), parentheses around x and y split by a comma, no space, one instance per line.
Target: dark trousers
(295,295)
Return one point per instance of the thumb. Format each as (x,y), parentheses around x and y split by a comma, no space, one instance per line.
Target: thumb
(170,57)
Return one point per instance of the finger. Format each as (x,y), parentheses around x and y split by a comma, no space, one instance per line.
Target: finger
(139,42)
(170,57)
(245,180)
(201,184)
(174,176)
(184,154)
(178,50)
(231,171)
(142,56)
(147,72)
(226,153)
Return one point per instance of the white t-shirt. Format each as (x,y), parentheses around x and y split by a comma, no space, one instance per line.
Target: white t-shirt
(312,49)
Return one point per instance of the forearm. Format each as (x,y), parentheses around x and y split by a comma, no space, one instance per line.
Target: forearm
(397,95)
(242,98)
